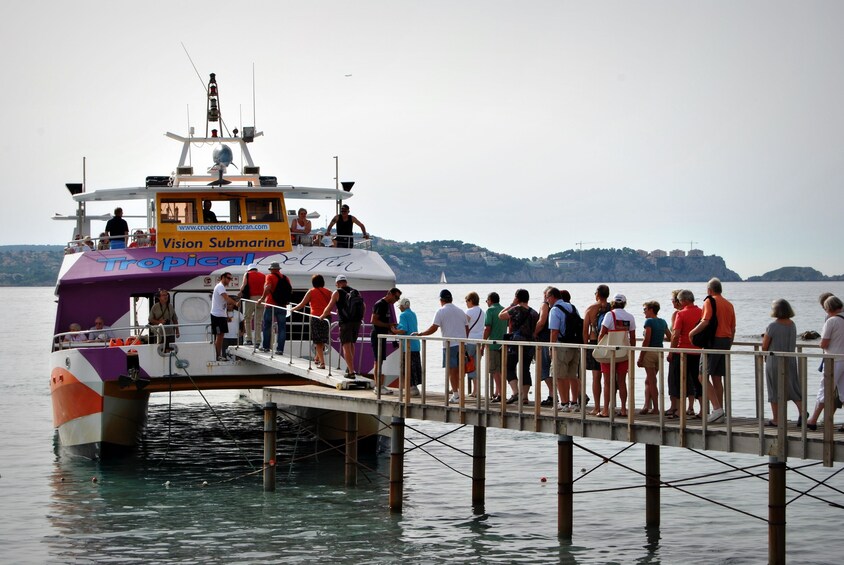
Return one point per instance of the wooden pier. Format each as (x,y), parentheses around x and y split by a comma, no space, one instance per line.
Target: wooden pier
(734,434)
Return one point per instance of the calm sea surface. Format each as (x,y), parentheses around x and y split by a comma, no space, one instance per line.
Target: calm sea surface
(152,507)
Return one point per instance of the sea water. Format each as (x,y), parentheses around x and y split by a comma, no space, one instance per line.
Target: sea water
(191,494)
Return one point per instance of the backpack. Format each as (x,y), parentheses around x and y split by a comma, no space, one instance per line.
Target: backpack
(282,291)
(600,321)
(705,338)
(353,307)
(574,326)
(527,319)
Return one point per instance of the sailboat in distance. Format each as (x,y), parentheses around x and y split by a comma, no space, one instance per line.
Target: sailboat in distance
(443,280)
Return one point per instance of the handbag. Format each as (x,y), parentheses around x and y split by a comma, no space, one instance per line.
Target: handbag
(607,346)
(469,364)
(704,338)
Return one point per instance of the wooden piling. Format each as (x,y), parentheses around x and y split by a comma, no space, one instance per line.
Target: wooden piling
(270,411)
(351,448)
(565,485)
(478,466)
(776,511)
(396,464)
(652,485)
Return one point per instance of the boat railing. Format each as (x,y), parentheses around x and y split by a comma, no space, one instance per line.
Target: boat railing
(143,237)
(148,334)
(747,355)
(298,335)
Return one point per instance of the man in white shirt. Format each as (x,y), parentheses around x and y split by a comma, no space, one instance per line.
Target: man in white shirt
(452,322)
(219,321)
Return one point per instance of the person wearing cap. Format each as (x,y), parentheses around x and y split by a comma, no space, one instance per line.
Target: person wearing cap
(277,293)
(725,331)
(617,319)
(219,318)
(382,321)
(349,329)
(253,289)
(452,322)
(345,224)
(408,325)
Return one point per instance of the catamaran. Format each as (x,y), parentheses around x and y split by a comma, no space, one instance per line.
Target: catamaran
(101,378)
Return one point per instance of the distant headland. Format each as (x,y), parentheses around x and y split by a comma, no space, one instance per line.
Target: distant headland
(426,261)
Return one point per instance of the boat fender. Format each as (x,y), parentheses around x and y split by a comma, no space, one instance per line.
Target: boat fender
(115,342)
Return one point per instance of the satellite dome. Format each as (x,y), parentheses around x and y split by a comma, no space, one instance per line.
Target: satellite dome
(223,155)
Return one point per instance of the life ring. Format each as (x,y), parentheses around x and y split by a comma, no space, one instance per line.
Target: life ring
(115,342)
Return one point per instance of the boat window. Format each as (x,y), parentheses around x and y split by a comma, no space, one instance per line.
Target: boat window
(177,211)
(264,210)
(219,211)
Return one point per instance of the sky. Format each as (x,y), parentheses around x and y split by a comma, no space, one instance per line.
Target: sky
(527,128)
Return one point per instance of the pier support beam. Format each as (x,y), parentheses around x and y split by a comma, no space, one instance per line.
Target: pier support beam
(396,464)
(351,448)
(652,486)
(565,485)
(479,467)
(776,511)
(270,412)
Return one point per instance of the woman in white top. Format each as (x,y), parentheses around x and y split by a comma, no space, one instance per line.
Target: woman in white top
(300,227)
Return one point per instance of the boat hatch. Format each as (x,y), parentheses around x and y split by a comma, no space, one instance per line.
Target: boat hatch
(212,221)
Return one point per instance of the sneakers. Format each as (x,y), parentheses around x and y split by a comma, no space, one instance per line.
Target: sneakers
(414,391)
(513,399)
(248,342)
(547,402)
(716,416)
(349,375)
(564,407)
(222,358)
(277,352)
(385,391)
(495,398)
(455,398)
(263,350)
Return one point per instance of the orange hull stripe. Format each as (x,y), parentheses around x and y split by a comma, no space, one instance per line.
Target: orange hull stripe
(71,398)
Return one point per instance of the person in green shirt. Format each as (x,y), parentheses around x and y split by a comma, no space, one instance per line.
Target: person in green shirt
(494,329)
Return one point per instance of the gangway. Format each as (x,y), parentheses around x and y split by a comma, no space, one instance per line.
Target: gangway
(301,367)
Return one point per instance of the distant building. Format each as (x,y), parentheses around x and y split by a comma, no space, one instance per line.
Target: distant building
(642,252)
(658,253)
(566,263)
(427,252)
(677,253)
(695,253)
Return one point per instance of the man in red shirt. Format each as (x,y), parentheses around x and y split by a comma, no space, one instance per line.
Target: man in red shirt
(684,322)
(725,332)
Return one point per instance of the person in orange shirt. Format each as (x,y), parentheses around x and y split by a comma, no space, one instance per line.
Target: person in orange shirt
(725,333)
(684,321)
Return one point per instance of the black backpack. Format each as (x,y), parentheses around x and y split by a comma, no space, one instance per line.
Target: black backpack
(574,326)
(353,307)
(283,290)
(705,338)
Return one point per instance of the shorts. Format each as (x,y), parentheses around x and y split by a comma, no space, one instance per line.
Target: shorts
(494,356)
(591,364)
(650,359)
(349,332)
(715,364)
(565,366)
(620,367)
(453,356)
(219,325)
(375,342)
(319,331)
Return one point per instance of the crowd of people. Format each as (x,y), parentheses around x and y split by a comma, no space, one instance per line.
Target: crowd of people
(705,331)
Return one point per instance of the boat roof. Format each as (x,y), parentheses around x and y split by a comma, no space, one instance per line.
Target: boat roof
(144,192)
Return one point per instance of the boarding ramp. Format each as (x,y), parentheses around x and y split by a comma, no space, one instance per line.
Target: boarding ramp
(301,367)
